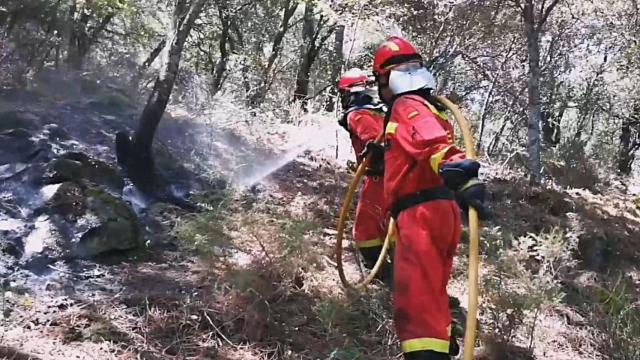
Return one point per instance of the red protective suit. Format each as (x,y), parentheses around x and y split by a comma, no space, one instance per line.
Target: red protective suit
(419,139)
(370,224)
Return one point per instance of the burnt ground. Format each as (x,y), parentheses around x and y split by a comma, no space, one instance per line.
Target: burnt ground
(254,277)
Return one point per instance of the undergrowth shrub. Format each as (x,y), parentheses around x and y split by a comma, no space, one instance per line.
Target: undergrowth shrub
(203,233)
(524,281)
(618,315)
(570,166)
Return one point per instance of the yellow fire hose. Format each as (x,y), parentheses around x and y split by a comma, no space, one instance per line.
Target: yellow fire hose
(474,237)
(344,214)
(474,234)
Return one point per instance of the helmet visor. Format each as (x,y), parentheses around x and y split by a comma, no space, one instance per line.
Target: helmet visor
(409,77)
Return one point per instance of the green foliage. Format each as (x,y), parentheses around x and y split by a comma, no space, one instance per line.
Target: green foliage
(621,320)
(570,165)
(294,234)
(525,281)
(339,315)
(204,234)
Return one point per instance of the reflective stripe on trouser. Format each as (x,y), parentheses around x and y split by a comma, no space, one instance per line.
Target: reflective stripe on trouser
(428,238)
(370,224)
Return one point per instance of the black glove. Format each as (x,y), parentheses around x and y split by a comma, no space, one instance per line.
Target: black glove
(462,177)
(474,194)
(457,174)
(375,150)
(376,164)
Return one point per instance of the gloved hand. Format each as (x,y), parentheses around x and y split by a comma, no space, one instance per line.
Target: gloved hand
(352,166)
(457,174)
(375,150)
(474,194)
(462,177)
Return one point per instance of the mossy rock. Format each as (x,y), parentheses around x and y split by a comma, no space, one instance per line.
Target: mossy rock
(119,228)
(96,222)
(18,133)
(68,201)
(16,146)
(76,167)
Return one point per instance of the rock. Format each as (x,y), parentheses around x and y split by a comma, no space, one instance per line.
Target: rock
(76,167)
(16,146)
(80,222)
(68,201)
(118,230)
(10,120)
(595,251)
(8,171)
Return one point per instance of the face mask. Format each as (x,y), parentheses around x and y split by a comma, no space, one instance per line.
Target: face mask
(409,77)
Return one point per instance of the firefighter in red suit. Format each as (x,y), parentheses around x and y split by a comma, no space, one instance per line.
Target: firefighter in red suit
(363,118)
(425,173)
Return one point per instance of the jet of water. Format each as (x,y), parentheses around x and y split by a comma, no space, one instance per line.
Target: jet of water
(307,139)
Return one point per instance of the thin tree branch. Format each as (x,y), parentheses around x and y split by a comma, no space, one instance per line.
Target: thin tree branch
(546,14)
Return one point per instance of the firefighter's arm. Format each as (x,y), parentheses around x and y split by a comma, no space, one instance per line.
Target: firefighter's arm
(423,137)
(364,125)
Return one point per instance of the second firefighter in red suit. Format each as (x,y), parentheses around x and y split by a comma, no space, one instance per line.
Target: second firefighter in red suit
(424,174)
(363,118)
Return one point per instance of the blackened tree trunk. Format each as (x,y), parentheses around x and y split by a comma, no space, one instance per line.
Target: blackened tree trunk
(551,130)
(629,141)
(137,156)
(153,55)
(336,66)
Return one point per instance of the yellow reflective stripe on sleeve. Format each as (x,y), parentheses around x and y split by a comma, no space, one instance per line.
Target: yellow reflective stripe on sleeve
(425,344)
(391,128)
(435,111)
(369,243)
(412,115)
(357,118)
(437,158)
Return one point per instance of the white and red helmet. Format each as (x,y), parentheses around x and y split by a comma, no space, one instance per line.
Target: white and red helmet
(401,61)
(354,80)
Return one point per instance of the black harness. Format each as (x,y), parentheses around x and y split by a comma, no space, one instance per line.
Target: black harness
(422,196)
(426,195)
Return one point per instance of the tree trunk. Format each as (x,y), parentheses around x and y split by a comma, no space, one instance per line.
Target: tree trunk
(629,141)
(336,69)
(82,38)
(551,130)
(306,53)
(138,156)
(485,111)
(154,53)
(258,97)
(221,65)
(532,32)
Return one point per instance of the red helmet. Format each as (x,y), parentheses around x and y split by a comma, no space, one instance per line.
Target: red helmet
(394,51)
(353,80)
